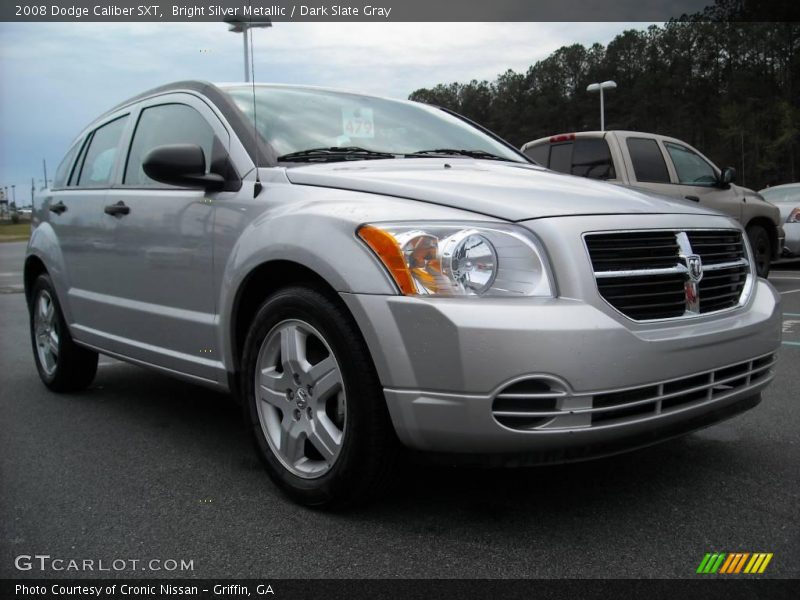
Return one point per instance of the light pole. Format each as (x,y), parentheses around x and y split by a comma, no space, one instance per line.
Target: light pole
(240,26)
(599,87)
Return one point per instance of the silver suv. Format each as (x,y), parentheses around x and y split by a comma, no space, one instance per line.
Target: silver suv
(366,274)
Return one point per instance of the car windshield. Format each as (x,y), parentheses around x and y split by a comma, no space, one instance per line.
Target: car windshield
(343,126)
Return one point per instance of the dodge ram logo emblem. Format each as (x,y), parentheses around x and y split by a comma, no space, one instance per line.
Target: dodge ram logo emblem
(694,264)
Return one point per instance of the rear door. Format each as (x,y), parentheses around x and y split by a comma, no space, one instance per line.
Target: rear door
(163,244)
(646,165)
(75,211)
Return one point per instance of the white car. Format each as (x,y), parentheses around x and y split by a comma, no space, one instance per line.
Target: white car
(787,198)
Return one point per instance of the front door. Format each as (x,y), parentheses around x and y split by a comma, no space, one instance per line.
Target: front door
(163,245)
(696,178)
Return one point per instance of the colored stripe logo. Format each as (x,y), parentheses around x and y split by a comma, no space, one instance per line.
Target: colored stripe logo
(734,563)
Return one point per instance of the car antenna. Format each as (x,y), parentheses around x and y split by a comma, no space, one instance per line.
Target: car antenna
(257,187)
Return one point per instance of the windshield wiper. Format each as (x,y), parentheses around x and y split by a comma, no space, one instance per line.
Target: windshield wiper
(460,152)
(333,153)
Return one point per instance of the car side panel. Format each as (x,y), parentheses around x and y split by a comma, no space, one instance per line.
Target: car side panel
(307,225)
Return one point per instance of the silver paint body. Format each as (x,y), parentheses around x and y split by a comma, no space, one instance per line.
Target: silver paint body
(157,287)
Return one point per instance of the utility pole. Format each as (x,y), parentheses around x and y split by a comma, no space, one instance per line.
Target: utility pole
(44,166)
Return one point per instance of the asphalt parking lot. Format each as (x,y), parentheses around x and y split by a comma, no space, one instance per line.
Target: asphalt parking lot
(144,467)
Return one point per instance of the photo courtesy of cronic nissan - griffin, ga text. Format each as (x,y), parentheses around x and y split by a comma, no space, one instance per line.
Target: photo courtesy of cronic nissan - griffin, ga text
(367,275)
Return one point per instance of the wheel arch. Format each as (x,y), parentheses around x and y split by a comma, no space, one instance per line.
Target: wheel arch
(260,282)
(34,266)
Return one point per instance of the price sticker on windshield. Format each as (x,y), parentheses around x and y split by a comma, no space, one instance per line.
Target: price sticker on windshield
(358,123)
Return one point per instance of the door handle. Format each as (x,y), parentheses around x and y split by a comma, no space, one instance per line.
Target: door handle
(58,208)
(692,198)
(118,209)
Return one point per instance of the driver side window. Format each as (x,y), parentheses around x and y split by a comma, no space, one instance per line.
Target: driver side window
(691,168)
(162,125)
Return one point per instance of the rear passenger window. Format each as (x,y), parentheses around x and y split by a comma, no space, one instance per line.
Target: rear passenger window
(592,158)
(100,158)
(163,125)
(648,162)
(539,153)
(65,168)
(561,157)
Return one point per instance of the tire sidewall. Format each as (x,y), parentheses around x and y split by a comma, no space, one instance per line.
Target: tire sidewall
(44,283)
(309,305)
(758,236)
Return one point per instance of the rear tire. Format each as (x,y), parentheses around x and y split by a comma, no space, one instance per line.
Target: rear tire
(63,365)
(762,248)
(317,413)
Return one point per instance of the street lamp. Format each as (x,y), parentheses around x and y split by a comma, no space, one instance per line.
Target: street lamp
(238,25)
(599,87)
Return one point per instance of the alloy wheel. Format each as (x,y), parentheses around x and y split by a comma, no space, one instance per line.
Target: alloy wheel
(45,327)
(301,398)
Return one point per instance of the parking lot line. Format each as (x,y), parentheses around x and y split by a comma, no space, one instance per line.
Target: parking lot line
(791,343)
(782,278)
(791,314)
(790,291)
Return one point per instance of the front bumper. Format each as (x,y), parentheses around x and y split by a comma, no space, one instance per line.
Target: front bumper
(782,236)
(455,371)
(791,245)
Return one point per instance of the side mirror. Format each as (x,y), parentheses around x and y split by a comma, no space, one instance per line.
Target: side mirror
(183,165)
(727,177)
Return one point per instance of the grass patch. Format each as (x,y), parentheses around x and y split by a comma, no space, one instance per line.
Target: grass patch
(14,232)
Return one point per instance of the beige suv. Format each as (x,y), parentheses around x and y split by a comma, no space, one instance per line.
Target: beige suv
(669,167)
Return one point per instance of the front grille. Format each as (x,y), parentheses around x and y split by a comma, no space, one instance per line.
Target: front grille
(633,250)
(646,275)
(559,409)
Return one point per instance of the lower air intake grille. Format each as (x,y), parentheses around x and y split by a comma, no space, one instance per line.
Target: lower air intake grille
(549,405)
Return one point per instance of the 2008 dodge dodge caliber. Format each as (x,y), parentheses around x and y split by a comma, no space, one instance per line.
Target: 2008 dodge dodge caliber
(366,273)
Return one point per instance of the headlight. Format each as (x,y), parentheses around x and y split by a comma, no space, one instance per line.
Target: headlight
(460,259)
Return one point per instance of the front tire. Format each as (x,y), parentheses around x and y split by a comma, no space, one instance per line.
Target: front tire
(63,365)
(762,248)
(313,401)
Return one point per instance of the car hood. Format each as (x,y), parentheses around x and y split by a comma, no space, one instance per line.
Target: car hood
(509,191)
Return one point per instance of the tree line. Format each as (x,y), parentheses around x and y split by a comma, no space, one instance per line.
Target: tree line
(727,87)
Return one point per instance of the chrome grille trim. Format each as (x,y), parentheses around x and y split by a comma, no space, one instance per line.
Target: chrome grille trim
(677,269)
(710,274)
(581,410)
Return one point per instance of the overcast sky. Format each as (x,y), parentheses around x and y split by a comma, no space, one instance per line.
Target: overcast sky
(57,77)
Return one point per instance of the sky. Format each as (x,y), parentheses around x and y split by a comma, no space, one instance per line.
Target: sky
(55,78)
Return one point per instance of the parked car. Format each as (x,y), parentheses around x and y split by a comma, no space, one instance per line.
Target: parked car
(365,273)
(787,198)
(666,166)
